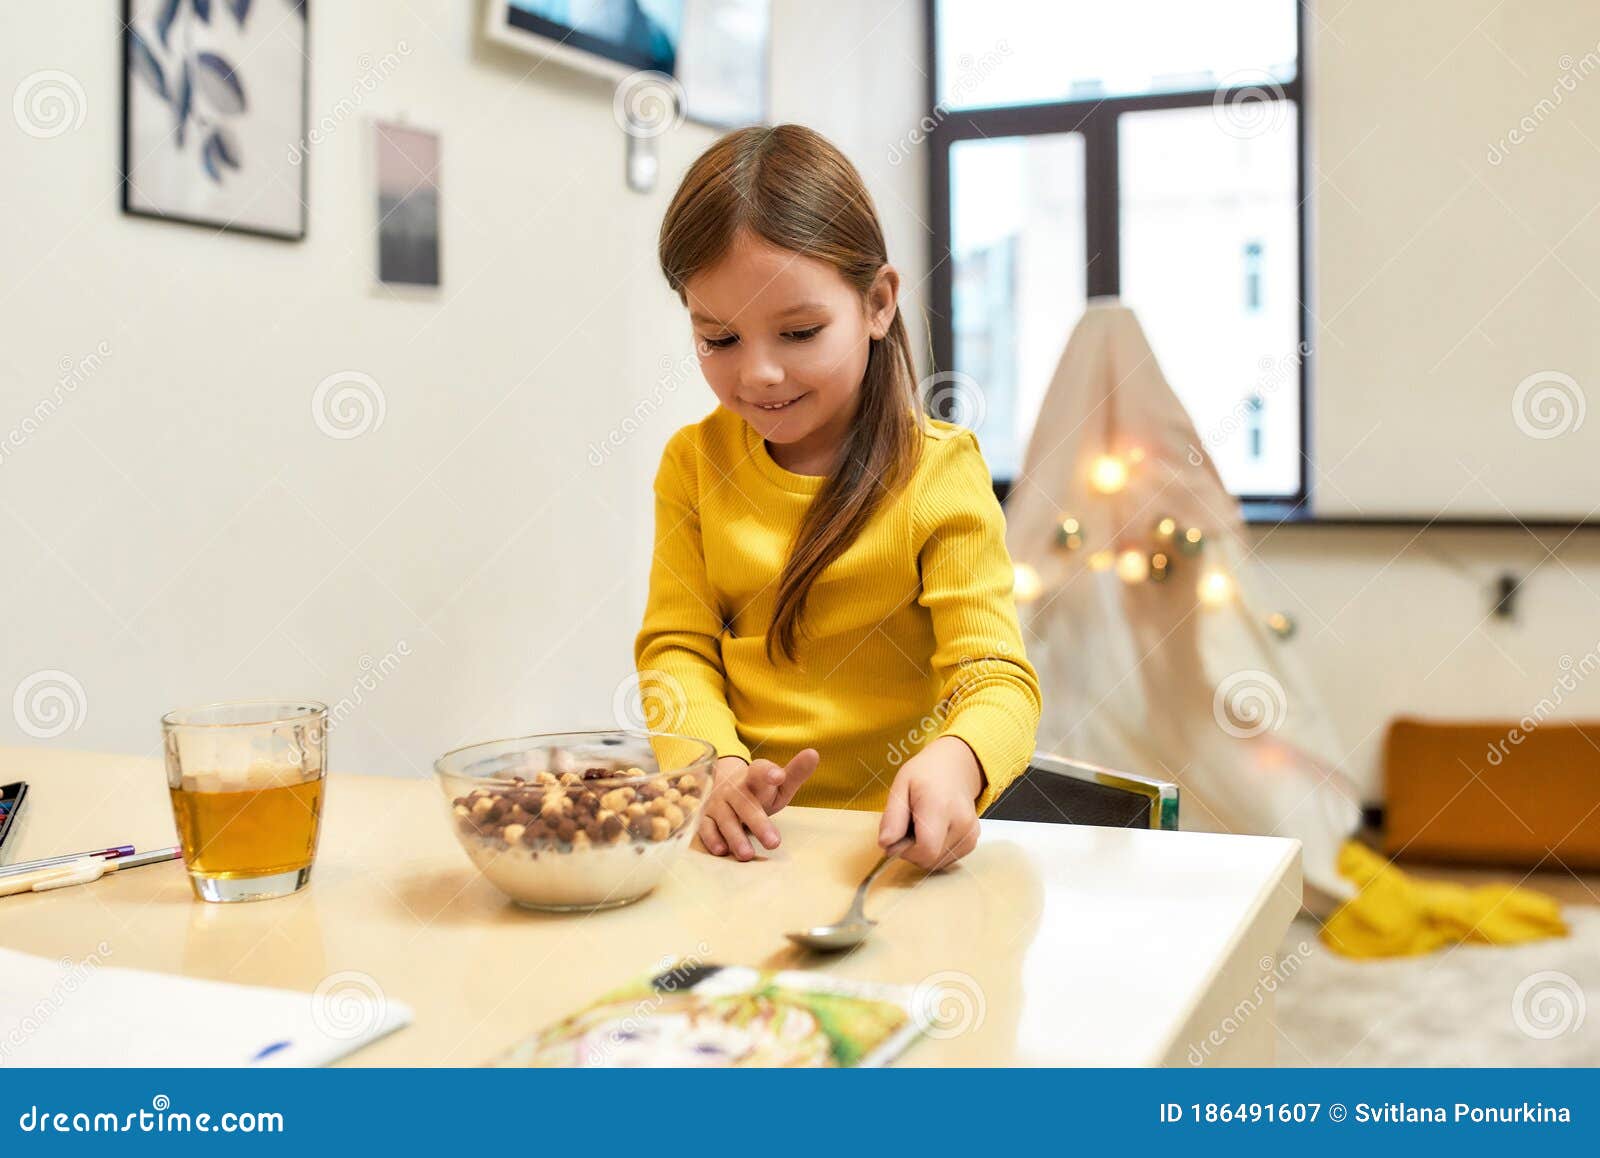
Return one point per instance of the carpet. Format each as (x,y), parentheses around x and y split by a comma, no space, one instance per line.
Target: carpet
(1471,1005)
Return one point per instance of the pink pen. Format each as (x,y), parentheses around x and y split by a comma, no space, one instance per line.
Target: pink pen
(120,850)
(81,872)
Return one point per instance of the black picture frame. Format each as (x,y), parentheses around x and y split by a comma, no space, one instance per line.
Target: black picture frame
(124,167)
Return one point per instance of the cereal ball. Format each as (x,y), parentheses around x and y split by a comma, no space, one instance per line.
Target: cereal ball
(617,799)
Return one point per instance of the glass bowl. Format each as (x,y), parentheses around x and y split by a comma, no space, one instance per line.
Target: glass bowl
(576,821)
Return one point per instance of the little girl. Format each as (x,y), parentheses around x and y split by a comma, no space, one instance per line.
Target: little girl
(830,599)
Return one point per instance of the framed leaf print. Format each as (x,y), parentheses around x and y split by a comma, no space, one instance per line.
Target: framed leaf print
(214,113)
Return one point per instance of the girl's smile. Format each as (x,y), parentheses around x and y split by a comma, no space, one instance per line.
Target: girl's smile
(784,405)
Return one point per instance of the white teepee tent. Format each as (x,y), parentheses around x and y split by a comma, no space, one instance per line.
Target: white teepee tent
(1132,569)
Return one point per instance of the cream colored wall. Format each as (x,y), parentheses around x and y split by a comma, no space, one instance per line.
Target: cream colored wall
(1456,153)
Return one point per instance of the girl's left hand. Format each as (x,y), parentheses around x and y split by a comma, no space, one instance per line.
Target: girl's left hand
(936,793)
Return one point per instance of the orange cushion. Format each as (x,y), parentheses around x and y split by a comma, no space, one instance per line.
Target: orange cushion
(1493,794)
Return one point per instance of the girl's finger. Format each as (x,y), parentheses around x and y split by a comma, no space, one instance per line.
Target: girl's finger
(765,782)
(793,775)
(733,832)
(931,833)
(723,825)
(958,844)
(711,838)
(896,816)
(755,818)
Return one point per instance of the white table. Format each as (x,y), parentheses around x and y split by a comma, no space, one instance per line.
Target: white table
(1072,945)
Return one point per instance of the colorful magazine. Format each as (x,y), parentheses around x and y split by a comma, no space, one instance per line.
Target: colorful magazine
(693,1014)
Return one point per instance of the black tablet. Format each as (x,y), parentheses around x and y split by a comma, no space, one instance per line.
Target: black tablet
(11,799)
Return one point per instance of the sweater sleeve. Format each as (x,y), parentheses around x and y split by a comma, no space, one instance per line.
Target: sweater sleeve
(989,692)
(678,651)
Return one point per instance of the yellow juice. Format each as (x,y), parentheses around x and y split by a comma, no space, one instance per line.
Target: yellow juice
(249,833)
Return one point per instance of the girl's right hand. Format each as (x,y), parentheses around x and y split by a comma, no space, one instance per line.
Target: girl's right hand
(744,798)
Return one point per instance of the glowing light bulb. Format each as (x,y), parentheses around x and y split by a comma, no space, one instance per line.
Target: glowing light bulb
(1108,475)
(1215,589)
(1133,567)
(1069,533)
(1167,527)
(1025,583)
(1100,561)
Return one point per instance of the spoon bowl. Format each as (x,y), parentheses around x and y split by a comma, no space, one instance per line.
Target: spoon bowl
(854,927)
(831,938)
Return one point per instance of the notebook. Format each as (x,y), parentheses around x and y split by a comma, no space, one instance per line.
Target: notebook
(693,1014)
(84,1013)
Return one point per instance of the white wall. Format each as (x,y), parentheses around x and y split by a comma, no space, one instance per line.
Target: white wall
(180,531)
(1457,152)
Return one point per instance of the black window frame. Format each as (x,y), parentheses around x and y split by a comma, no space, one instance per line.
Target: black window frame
(1096,119)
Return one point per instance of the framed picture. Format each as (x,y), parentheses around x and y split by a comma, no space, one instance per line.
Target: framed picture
(613,39)
(716,49)
(408,205)
(214,113)
(723,62)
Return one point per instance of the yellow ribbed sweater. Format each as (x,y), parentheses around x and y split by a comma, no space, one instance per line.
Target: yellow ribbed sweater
(909,635)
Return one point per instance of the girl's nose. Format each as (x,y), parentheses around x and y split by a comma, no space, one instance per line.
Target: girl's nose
(759,372)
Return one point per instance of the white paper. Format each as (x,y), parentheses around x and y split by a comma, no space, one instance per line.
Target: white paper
(72,1013)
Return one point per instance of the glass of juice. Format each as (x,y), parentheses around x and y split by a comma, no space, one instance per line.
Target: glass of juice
(246,784)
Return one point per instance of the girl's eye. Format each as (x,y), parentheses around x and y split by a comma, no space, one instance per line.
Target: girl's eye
(718,343)
(803,335)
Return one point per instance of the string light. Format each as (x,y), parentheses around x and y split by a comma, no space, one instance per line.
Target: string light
(1025,583)
(1215,589)
(1069,534)
(1160,564)
(1166,527)
(1108,474)
(1193,539)
(1133,566)
(1100,561)
(1281,624)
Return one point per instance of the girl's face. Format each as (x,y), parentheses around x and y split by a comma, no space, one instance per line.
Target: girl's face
(783,343)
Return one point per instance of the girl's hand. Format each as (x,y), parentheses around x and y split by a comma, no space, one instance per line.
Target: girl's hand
(936,793)
(745,796)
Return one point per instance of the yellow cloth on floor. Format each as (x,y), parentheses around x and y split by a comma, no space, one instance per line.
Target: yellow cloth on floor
(1396,915)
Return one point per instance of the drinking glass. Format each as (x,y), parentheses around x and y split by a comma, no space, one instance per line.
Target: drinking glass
(246,782)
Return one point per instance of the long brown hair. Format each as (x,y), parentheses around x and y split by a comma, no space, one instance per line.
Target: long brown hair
(791,187)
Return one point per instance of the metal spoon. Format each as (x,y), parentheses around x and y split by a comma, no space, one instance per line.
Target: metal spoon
(853,928)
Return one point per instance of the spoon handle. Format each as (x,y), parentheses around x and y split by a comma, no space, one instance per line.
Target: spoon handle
(858,907)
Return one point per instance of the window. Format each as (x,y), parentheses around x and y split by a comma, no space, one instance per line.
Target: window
(1152,150)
